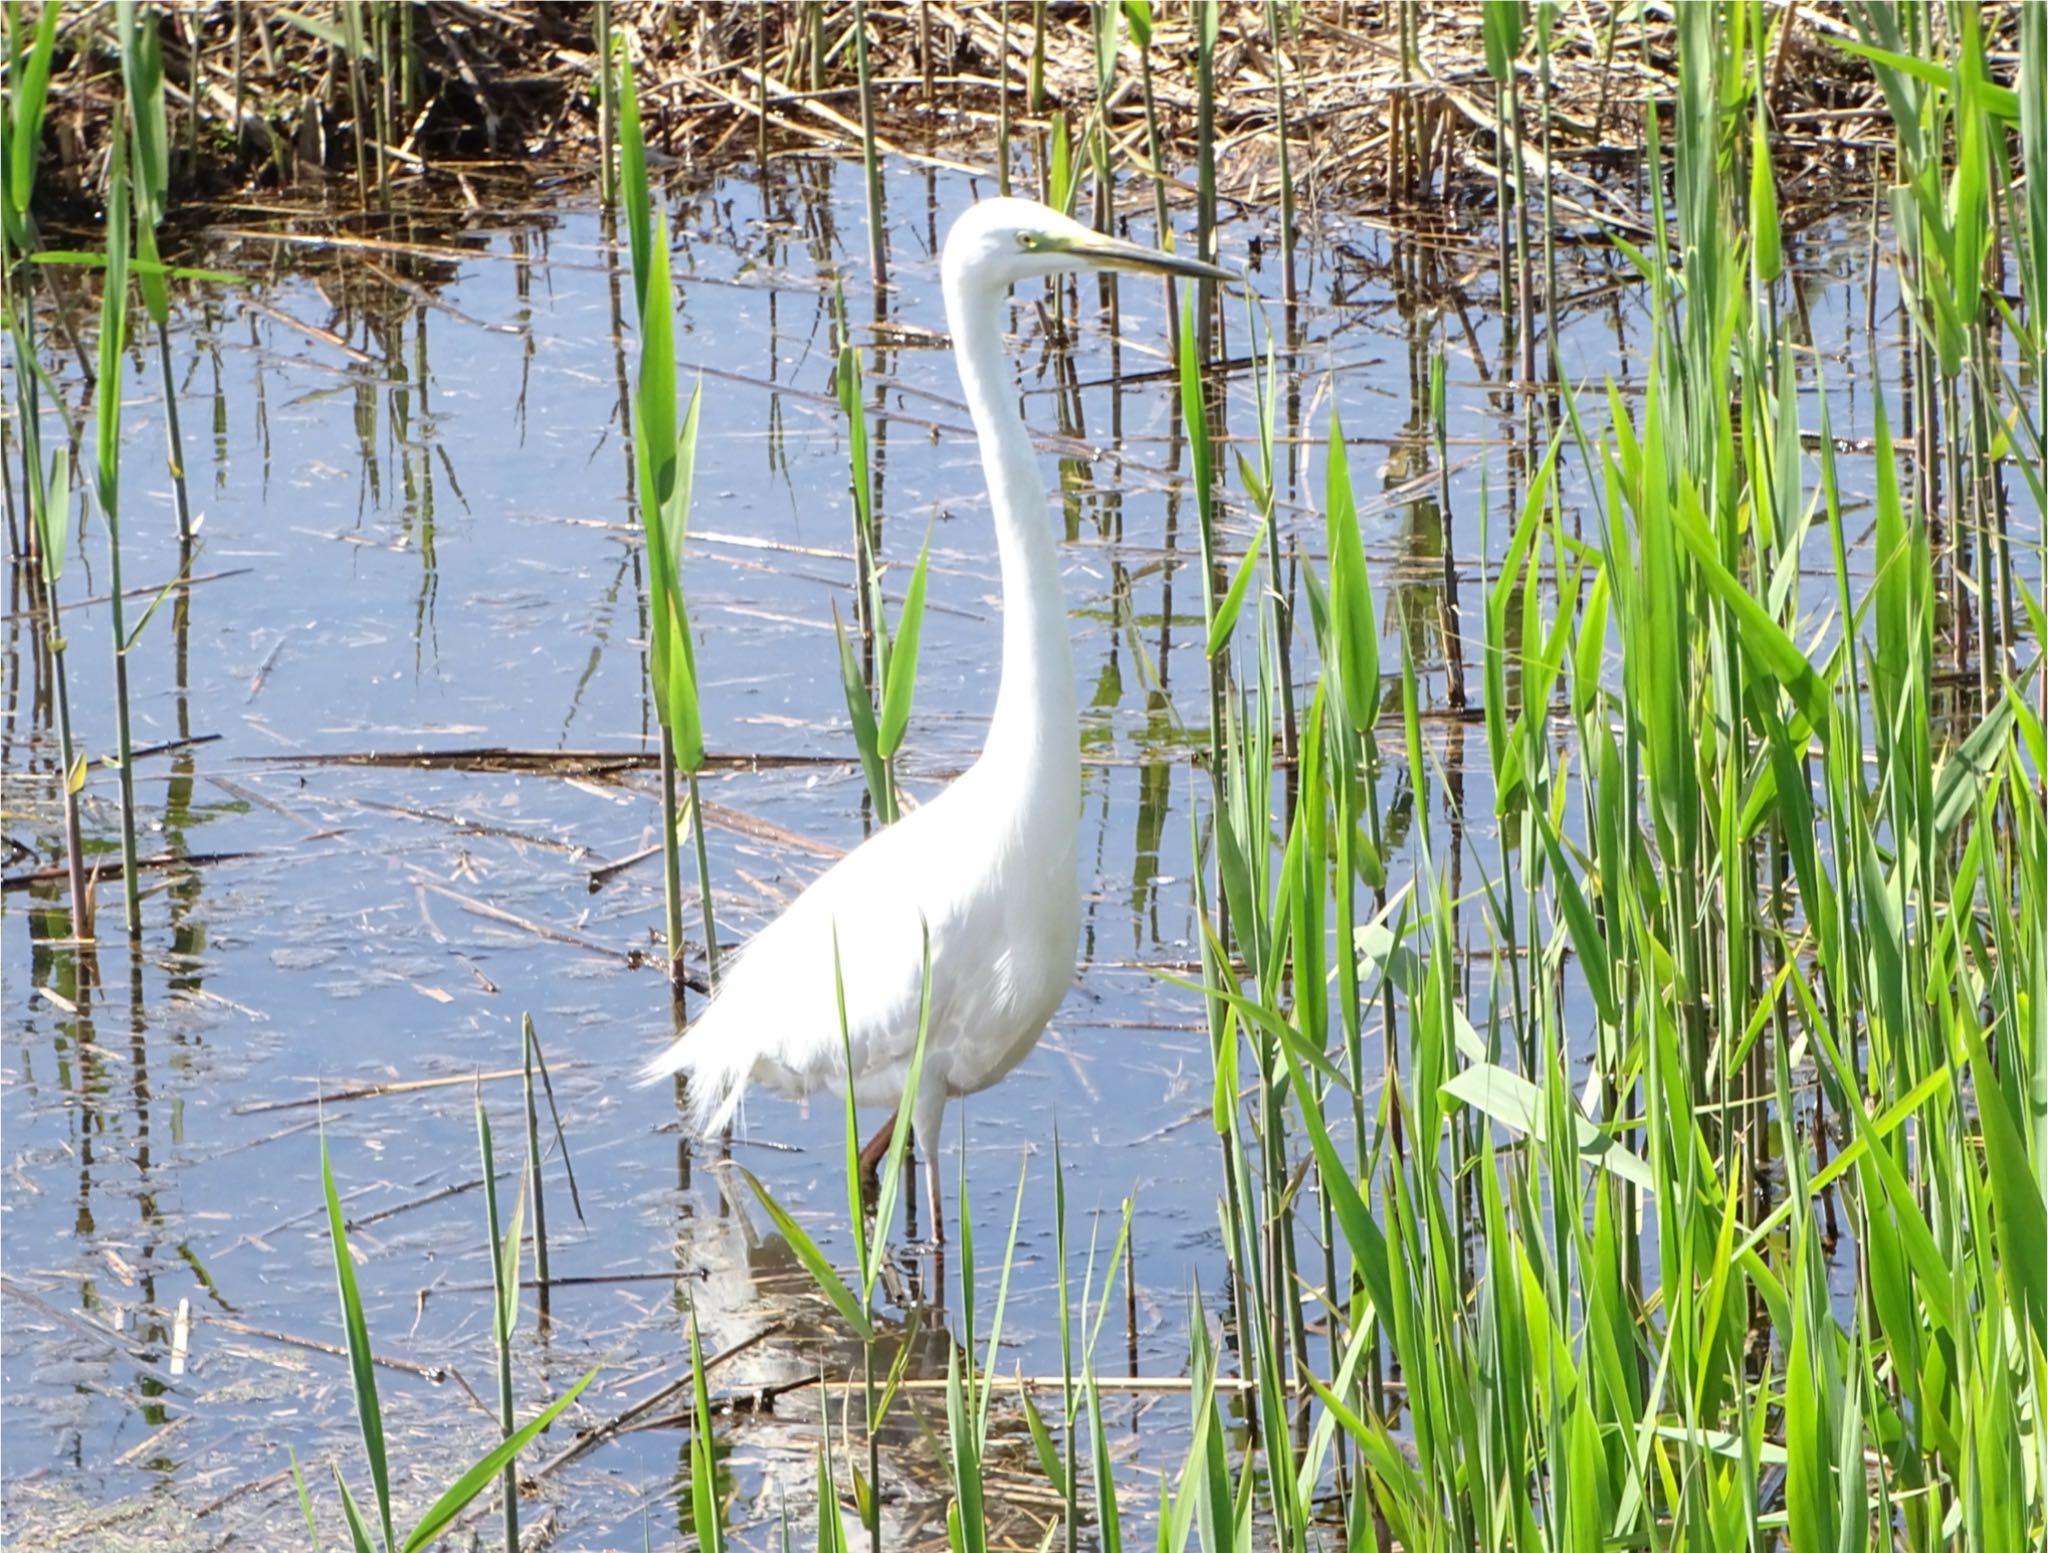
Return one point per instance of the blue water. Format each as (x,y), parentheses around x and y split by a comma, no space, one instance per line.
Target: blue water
(418,536)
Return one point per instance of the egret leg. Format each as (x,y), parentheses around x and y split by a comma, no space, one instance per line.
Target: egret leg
(931,1191)
(874,1151)
(876,1147)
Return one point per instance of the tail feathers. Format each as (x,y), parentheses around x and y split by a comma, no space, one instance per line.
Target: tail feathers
(716,1078)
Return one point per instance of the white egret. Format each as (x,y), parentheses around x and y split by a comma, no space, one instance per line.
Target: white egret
(988,866)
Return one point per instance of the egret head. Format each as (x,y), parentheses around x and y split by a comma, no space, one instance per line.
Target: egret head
(999,242)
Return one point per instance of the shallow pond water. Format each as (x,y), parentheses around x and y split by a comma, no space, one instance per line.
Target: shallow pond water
(407,442)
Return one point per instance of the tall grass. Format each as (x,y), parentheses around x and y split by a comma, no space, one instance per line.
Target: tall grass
(855,1302)
(380,1535)
(1759,961)
(1696,1196)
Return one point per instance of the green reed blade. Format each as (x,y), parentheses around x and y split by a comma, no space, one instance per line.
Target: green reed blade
(829,1283)
(906,1110)
(305,1499)
(362,1370)
(705,1507)
(685,719)
(968,1501)
(31,86)
(1042,1443)
(1061,180)
(2033,139)
(1361,1231)
(78,259)
(831,1525)
(634,184)
(1354,632)
(860,711)
(359,1532)
(1225,621)
(1501,23)
(465,1489)
(906,1351)
(1762,636)
(899,684)
(2016,1200)
(1201,457)
(995,1330)
(847,385)
(850,1170)
(52,514)
(504,1307)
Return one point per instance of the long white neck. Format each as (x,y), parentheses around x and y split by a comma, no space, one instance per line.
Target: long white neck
(1033,736)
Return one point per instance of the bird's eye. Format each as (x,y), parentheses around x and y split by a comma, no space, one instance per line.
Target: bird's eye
(1029,241)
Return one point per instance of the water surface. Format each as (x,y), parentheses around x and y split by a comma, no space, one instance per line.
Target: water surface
(409,449)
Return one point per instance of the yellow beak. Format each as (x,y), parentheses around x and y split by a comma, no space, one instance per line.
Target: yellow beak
(1114,253)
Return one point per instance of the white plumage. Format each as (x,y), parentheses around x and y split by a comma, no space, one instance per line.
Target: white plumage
(989,866)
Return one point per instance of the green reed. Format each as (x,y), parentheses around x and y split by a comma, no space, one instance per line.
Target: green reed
(46,486)
(855,1301)
(1952,124)
(142,71)
(107,488)
(1761,949)
(707,1509)
(1503,25)
(665,459)
(607,104)
(880,677)
(49,503)
(871,162)
(504,1248)
(1207,21)
(1138,14)
(1275,33)
(1756,873)
(380,1535)
(533,1060)
(1002,156)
